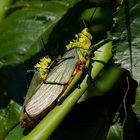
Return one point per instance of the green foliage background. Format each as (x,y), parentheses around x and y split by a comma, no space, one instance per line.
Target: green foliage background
(30,29)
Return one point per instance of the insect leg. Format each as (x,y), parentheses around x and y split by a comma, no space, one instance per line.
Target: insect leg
(53,83)
(88,72)
(31,71)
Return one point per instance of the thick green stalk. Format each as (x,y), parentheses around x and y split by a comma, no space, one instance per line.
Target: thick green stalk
(44,129)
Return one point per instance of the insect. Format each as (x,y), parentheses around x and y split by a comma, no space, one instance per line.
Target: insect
(41,71)
(59,79)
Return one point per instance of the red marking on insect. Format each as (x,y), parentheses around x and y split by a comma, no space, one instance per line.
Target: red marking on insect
(80,65)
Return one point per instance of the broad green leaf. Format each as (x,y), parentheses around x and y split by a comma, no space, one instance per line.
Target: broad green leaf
(115,132)
(123,54)
(15,134)
(25,30)
(3,7)
(8,118)
(122,51)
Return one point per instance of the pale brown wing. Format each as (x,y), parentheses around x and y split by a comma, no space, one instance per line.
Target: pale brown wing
(46,94)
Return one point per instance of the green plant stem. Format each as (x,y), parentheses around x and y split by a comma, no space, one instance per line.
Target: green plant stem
(44,129)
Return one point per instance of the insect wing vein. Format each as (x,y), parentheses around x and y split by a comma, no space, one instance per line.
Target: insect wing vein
(46,94)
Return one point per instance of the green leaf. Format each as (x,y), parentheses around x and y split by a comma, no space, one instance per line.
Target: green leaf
(123,53)
(15,134)
(25,30)
(3,7)
(8,118)
(136,106)
(114,132)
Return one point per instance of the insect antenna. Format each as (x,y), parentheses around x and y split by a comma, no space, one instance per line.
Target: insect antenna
(91,20)
(44,49)
(92,16)
(84,22)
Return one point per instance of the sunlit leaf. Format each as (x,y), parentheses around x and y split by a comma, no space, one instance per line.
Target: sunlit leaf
(26,29)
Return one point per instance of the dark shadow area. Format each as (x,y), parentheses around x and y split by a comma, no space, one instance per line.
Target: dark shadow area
(14,81)
(91,119)
(66,30)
